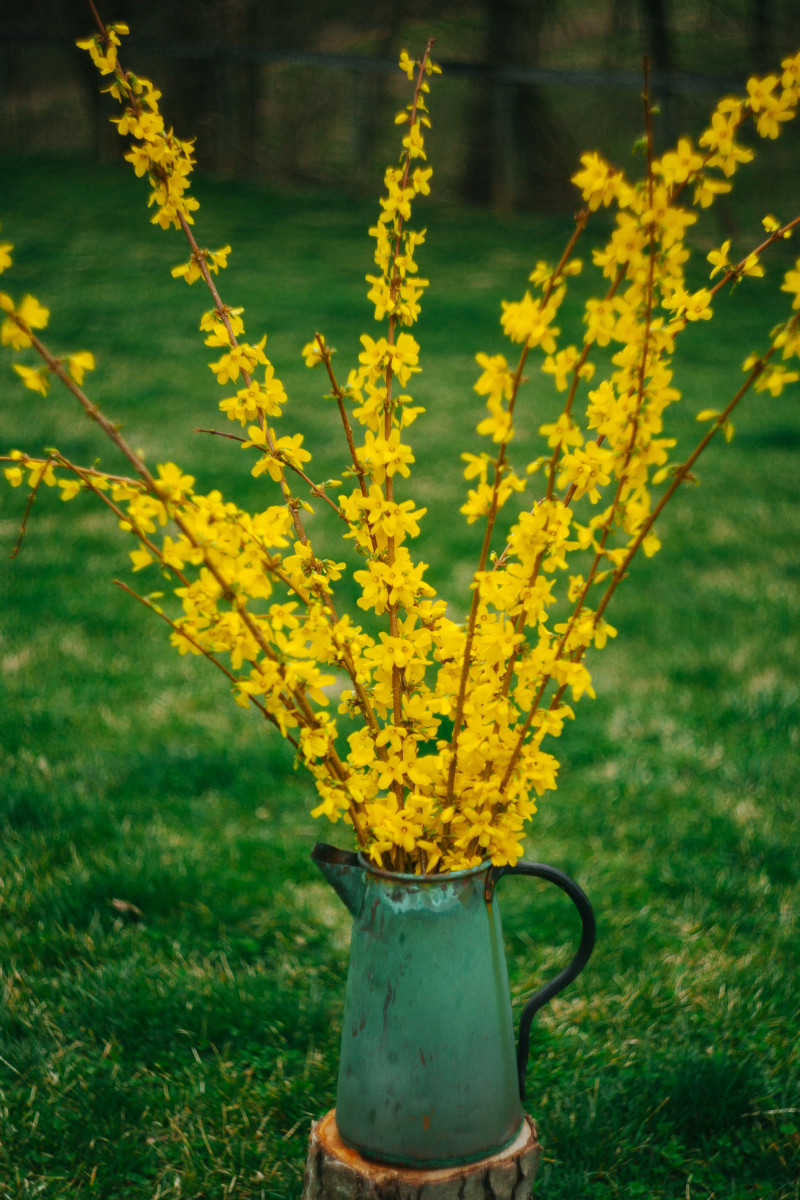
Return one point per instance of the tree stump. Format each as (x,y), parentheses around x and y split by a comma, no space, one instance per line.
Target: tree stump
(335,1172)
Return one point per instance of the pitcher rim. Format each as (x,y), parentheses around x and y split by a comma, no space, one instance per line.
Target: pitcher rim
(404,877)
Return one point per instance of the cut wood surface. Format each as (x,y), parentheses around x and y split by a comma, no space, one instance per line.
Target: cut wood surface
(336,1172)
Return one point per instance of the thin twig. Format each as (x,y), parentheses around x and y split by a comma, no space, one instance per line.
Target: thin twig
(201,650)
(28,507)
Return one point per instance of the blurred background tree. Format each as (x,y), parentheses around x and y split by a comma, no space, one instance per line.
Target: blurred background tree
(303,94)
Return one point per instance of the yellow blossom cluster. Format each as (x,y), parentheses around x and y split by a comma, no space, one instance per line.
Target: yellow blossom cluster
(433,750)
(155,151)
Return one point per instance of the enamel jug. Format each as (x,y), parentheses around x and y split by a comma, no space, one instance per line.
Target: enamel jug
(428,1074)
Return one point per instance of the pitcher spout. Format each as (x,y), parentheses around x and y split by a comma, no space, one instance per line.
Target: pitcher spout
(344,872)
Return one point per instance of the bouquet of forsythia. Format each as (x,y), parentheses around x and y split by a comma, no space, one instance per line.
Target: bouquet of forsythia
(435,756)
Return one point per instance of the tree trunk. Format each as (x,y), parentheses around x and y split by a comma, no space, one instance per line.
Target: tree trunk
(658,36)
(759,19)
(519,156)
(660,51)
(335,1172)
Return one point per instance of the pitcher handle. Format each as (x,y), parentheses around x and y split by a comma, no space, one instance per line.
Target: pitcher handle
(571,971)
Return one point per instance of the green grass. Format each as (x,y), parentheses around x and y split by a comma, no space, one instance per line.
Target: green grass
(180,1043)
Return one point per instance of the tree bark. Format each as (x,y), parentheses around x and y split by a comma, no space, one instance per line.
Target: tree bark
(660,50)
(658,34)
(335,1172)
(519,155)
(759,19)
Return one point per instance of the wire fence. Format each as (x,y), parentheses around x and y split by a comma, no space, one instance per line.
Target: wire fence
(504,136)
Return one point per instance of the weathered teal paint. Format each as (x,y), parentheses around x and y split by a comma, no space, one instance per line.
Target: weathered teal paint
(428,1074)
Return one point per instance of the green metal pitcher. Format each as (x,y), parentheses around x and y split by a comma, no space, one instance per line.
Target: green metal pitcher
(428,1073)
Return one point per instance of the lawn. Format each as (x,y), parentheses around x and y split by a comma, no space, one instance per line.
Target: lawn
(171,965)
